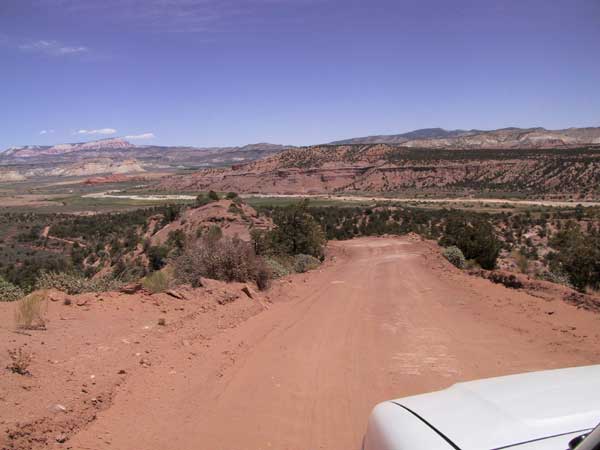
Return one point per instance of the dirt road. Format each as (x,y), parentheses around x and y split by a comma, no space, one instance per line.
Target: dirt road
(387,319)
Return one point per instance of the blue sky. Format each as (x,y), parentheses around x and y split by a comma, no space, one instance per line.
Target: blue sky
(232,72)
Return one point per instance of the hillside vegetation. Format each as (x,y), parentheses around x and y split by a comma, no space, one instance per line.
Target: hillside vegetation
(571,173)
(227,239)
(216,238)
(561,246)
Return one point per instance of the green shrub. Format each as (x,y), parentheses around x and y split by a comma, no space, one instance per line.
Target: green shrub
(234,209)
(157,282)
(304,263)
(9,292)
(231,195)
(104,284)
(556,277)
(278,269)
(176,240)
(263,241)
(578,256)
(66,282)
(158,256)
(30,311)
(455,256)
(296,232)
(202,200)
(214,233)
(126,270)
(212,195)
(73,283)
(475,237)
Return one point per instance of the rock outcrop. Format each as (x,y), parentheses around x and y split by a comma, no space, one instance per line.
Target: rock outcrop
(383,168)
(232,219)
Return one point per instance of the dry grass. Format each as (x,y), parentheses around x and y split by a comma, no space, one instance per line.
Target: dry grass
(30,311)
(157,282)
(522,263)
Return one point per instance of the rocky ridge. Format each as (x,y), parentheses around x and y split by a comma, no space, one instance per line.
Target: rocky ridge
(61,149)
(506,138)
(384,168)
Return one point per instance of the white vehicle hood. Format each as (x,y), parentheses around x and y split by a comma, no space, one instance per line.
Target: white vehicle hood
(516,411)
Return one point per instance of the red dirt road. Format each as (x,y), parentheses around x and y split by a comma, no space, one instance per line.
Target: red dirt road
(388,318)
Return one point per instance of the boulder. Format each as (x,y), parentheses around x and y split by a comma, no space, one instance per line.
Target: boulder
(131,288)
(55,295)
(227,298)
(175,294)
(246,290)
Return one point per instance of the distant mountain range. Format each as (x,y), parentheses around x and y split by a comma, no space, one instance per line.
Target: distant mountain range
(506,138)
(119,156)
(531,162)
(424,133)
(33,151)
(119,146)
(424,138)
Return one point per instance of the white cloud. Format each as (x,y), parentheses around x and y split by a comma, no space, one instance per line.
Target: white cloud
(46,132)
(141,136)
(53,48)
(72,50)
(98,131)
(188,15)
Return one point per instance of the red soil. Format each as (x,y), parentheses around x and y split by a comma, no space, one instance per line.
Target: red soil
(383,318)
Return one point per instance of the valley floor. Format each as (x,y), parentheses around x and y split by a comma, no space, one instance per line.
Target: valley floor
(441,201)
(383,318)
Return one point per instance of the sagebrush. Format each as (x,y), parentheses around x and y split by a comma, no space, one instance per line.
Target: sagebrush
(227,259)
(9,292)
(278,266)
(455,256)
(304,263)
(73,283)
